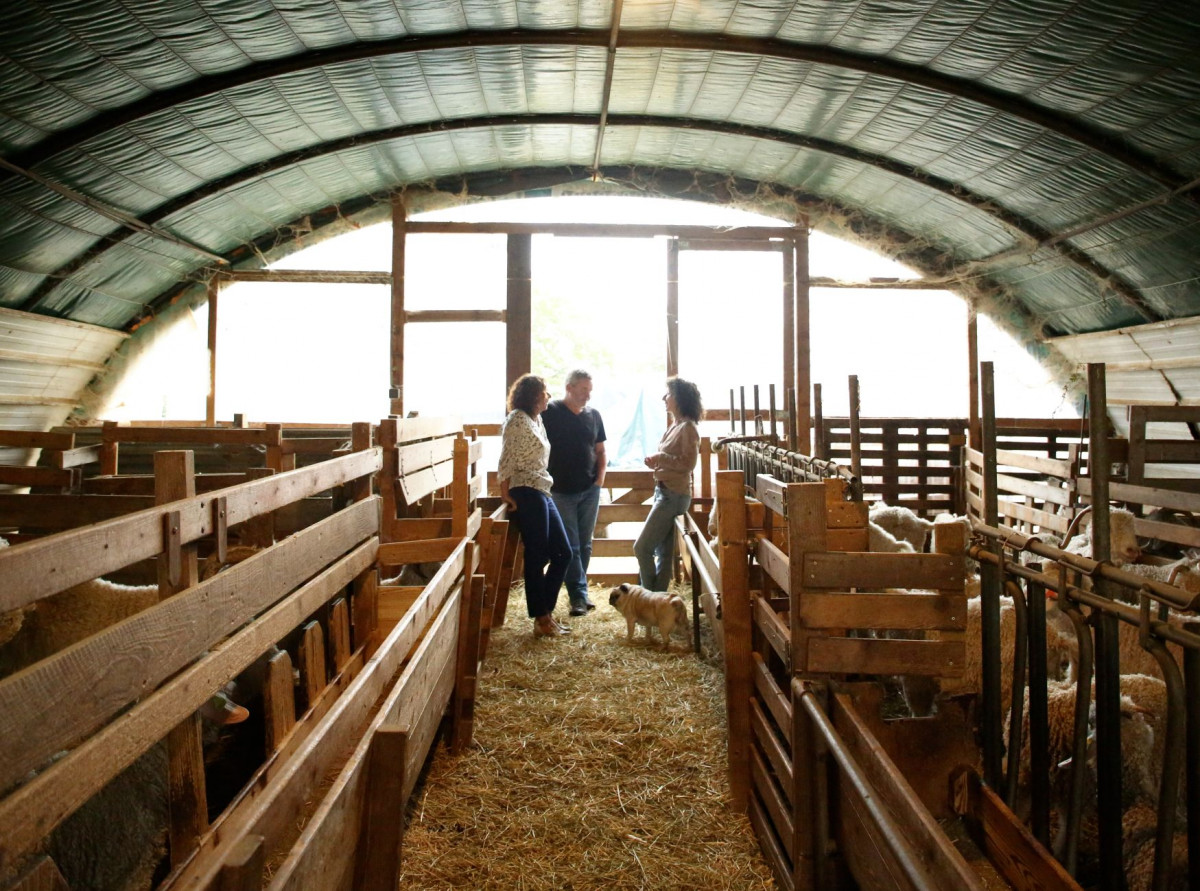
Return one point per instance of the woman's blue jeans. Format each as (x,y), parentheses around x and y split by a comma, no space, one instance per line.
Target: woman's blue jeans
(547,549)
(655,547)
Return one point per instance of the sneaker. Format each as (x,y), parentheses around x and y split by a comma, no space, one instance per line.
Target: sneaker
(579,611)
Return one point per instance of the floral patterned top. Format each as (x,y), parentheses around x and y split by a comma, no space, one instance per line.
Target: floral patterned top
(524,452)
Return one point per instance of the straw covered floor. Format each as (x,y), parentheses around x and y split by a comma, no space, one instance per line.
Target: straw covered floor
(595,764)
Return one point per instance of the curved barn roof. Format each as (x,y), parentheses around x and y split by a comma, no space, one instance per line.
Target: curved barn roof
(1047,152)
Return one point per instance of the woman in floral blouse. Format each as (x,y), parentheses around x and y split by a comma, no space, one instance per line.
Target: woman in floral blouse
(525,487)
(672,464)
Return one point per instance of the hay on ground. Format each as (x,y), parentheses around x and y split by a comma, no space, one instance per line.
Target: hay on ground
(595,764)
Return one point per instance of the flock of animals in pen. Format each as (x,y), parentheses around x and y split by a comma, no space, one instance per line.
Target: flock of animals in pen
(1143,692)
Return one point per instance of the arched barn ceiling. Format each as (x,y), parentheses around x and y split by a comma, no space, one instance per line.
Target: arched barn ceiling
(1044,152)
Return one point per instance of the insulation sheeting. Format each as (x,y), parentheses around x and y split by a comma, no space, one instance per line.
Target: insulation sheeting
(1146,365)
(1045,151)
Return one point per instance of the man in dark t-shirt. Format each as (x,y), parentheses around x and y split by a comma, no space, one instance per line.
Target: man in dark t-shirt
(577,464)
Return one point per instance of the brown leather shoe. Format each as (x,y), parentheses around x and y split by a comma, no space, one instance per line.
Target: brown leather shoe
(544,626)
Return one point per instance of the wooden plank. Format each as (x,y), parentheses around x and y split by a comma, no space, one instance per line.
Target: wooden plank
(1011,847)
(629,479)
(845,655)
(269,435)
(1048,466)
(23,475)
(776,701)
(38,568)
(43,711)
(934,850)
(57,512)
(774,563)
(35,808)
(270,813)
(400,553)
(772,493)
(417,528)
(776,634)
(875,570)
(1148,495)
(768,793)
(847,540)
(279,700)
(339,633)
(143,484)
(243,868)
(623,513)
(311,658)
(422,483)
(769,844)
(323,856)
(768,742)
(910,610)
(422,455)
(864,849)
(73,457)
(737,619)
(378,848)
(32,439)
(519,330)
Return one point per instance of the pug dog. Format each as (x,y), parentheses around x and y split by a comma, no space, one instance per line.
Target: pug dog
(650,609)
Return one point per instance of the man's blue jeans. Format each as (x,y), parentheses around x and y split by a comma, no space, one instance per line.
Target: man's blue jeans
(655,547)
(578,511)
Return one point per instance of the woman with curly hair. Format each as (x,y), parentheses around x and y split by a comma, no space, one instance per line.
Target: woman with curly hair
(525,487)
(672,464)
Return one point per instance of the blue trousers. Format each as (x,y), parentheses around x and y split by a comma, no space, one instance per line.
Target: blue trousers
(578,511)
(547,549)
(655,547)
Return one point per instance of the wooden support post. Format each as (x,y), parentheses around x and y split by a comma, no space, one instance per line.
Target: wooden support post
(360,441)
(788,256)
(806,531)
(210,413)
(260,530)
(820,448)
(803,335)
(243,867)
(774,434)
(706,490)
(1108,692)
(382,825)
(508,568)
(672,307)
(519,327)
(459,489)
(175,478)
(990,584)
(398,321)
(855,430)
(109,449)
(974,431)
(735,606)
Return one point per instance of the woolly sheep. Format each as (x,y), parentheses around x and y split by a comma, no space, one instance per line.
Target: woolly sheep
(1062,652)
(1122,540)
(879,539)
(1139,828)
(902,524)
(1182,573)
